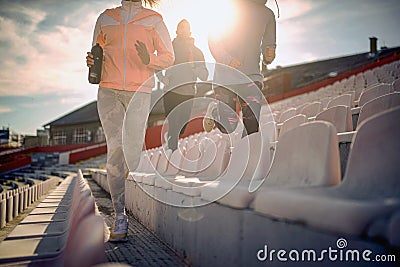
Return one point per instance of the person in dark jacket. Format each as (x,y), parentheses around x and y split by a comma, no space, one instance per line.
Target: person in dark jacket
(254,35)
(180,82)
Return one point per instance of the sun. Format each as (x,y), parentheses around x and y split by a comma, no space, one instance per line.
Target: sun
(213,17)
(205,16)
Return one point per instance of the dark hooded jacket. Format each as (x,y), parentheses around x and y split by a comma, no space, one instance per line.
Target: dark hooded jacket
(188,66)
(254,30)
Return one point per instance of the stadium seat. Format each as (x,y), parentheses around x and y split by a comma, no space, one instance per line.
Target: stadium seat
(39,223)
(379,104)
(291,123)
(287,114)
(299,152)
(240,170)
(54,228)
(342,100)
(161,167)
(370,189)
(215,157)
(311,109)
(324,102)
(190,161)
(339,116)
(255,173)
(374,92)
(145,166)
(205,161)
(396,85)
(173,169)
(42,237)
(86,246)
(306,156)
(300,108)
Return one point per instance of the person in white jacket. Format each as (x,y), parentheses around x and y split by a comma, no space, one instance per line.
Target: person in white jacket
(135,42)
(253,34)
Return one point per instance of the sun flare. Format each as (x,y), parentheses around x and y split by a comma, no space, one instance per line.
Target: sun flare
(207,18)
(215,17)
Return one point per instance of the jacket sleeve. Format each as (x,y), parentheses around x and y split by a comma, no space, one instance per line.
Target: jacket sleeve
(269,37)
(98,36)
(200,68)
(163,46)
(218,50)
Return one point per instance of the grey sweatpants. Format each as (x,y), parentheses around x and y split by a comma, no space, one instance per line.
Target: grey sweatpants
(112,106)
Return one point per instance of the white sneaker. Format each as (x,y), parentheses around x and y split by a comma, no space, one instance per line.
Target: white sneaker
(119,231)
(208,120)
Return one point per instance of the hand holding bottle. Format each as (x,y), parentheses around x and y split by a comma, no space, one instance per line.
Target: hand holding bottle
(94,61)
(89,59)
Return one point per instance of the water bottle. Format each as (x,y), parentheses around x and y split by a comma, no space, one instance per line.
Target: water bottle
(95,70)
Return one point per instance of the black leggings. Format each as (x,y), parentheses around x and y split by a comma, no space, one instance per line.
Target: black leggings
(178,118)
(250,100)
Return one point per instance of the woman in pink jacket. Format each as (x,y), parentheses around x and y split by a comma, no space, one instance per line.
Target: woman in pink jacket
(129,35)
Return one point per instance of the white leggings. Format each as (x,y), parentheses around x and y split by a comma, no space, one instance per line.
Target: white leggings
(112,106)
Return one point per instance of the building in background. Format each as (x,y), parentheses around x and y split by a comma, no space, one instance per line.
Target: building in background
(42,138)
(81,126)
(10,138)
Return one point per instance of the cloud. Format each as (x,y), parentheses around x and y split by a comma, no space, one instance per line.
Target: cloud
(37,59)
(5,109)
(290,9)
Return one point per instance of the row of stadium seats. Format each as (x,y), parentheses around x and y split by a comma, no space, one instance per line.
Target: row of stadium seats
(63,230)
(303,185)
(354,85)
(219,199)
(14,201)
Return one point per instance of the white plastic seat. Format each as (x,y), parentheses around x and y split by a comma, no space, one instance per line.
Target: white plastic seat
(163,162)
(324,102)
(214,158)
(213,162)
(173,169)
(345,100)
(190,161)
(306,156)
(162,166)
(151,167)
(379,104)
(44,242)
(144,166)
(54,228)
(300,108)
(358,90)
(311,109)
(188,186)
(374,92)
(370,189)
(39,224)
(287,114)
(396,85)
(86,246)
(248,167)
(293,122)
(241,166)
(339,116)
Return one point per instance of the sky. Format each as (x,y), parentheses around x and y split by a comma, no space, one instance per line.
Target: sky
(43,44)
